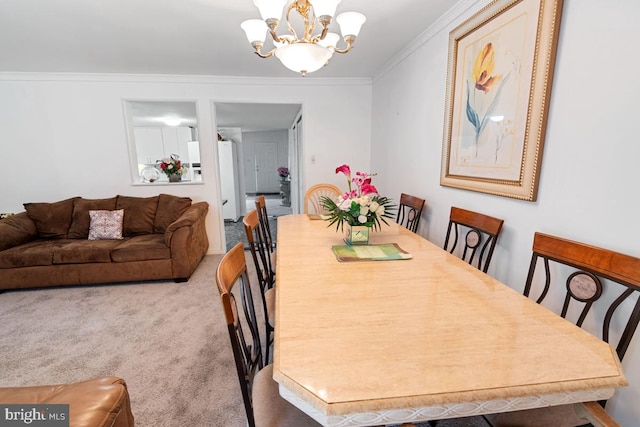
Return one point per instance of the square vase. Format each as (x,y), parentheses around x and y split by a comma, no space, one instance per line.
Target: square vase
(356,235)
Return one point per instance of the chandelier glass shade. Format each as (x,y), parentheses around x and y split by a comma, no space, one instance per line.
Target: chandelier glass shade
(307,52)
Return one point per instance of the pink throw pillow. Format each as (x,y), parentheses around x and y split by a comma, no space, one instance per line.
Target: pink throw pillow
(106,225)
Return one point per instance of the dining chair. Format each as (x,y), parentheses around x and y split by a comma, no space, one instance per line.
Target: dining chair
(409,211)
(265,272)
(263,218)
(313,196)
(262,401)
(586,271)
(482,233)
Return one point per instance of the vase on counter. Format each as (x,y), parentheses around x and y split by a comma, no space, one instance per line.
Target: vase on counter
(150,174)
(356,235)
(175,178)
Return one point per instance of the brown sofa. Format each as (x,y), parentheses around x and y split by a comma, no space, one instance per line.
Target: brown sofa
(99,402)
(163,237)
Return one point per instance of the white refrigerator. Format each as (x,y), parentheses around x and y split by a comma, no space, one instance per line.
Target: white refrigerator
(229,181)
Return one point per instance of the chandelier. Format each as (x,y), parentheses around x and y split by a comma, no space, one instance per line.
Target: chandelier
(310,52)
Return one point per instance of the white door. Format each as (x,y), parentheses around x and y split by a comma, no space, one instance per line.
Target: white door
(266,156)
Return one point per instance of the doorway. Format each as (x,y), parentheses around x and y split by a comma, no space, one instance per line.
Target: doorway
(265,140)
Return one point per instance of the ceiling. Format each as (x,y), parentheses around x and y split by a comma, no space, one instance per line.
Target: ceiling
(186,37)
(153,113)
(256,117)
(191,37)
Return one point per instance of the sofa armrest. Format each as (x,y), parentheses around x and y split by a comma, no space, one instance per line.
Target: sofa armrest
(187,239)
(99,402)
(190,217)
(16,230)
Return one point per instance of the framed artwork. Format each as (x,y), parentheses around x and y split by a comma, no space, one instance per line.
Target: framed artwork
(500,69)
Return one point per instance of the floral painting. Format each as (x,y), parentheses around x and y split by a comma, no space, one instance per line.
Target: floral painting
(500,67)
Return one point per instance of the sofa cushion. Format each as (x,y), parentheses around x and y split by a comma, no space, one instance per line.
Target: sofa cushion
(139,214)
(105,225)
(76,251)
(80,219)
(141,248)
(34,253)
(52,219)
(16,230)
(169,209)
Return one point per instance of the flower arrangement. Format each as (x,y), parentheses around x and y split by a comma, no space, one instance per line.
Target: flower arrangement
(172,165)
(283,172)
(361,205)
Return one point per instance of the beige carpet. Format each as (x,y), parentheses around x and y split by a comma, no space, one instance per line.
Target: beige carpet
(167,340)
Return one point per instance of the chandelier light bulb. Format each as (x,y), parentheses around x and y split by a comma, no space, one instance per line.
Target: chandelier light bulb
(350,23)
(255,29)
(270,9)
(330,41)
(324,7)
(303,52)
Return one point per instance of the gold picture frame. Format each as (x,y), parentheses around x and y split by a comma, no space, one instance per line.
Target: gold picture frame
(500,69)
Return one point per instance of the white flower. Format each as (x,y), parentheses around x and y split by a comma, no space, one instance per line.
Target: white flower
(345,205)
(362,219)
(373,207)
(364,210)
(380,210)
(363,201)
(170,166)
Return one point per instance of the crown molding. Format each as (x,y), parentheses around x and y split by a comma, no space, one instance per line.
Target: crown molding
(444,22)
(182,79)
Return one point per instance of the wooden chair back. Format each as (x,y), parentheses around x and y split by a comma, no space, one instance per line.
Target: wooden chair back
(258,246)
(231,274)
(584,286)
(409,211)
(482,233)
(583,269)
(263,218)
(265,270)
(312,198)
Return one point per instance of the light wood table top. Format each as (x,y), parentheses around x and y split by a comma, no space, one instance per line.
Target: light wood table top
(383,342)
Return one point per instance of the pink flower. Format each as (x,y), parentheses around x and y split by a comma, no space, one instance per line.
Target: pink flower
(345,169)
(349,195)
(368,188)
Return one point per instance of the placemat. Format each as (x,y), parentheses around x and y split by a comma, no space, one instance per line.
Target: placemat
(386,252)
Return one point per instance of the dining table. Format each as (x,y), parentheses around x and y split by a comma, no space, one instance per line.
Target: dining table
(384,337)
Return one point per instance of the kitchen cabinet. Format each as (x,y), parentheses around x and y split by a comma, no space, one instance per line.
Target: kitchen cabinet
(154,143)
(175,141)
(149,146)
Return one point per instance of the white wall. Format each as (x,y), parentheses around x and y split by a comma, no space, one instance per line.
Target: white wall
(64,134)
(589,182)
